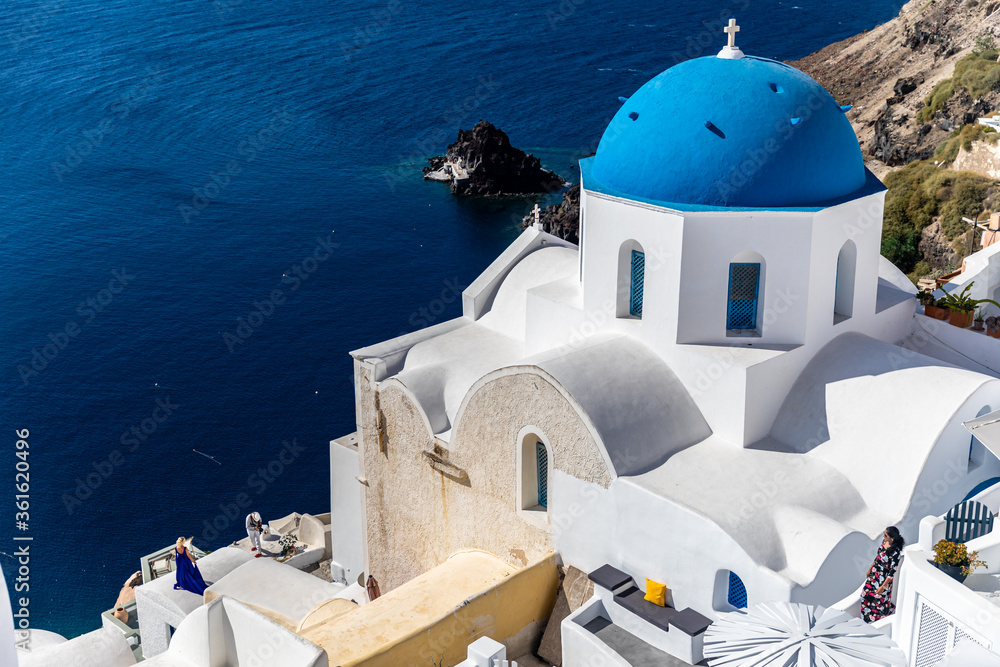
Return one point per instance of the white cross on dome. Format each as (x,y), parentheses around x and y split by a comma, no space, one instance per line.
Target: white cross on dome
(732,29)
(731,51)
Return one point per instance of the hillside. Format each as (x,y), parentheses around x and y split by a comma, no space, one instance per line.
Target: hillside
(888,72)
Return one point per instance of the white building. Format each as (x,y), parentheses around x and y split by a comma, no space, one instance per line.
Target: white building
(723,388)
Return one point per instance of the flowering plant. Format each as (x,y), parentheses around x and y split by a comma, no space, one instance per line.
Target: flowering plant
(287,543)
(956,554)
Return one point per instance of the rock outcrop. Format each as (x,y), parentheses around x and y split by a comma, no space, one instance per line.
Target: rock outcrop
(482,162)
(935,247)
(562,220)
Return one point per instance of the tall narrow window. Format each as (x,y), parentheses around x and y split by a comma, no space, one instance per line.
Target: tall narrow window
(843,301)
(744,281)
(638,278)
(542,463)
(737,592)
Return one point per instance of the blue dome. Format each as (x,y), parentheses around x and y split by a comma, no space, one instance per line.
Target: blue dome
(748,132)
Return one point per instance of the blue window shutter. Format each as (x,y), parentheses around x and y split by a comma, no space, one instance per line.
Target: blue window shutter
(737,592)
(542,459)
(638,278)
(744,283)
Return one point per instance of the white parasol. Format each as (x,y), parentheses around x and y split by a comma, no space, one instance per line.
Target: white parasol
(788,634)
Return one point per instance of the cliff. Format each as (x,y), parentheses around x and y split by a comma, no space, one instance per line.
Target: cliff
(888,72)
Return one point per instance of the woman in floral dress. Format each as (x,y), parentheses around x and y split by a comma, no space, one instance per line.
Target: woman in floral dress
(876,596)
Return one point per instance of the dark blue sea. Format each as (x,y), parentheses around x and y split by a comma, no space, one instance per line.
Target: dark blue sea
(205,205)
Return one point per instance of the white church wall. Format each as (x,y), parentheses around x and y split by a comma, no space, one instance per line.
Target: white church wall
(976,347)
(612,223)
(581,520)
(851,222)
(712,242)
(716,379)
(556,318)
(842,572)
(833,229)
(768,382)
(648,536)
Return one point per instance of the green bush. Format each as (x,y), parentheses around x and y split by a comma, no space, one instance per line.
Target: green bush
(964,138)
(934,102)
(984,43)
(978,73)
(919,193)
(920,270)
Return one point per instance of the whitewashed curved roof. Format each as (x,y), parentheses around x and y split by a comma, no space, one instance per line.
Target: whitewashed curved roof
(640,410)
(439,371)
(860,407)
(859,396)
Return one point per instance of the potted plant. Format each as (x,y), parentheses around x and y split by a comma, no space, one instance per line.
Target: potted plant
(962,306)
(931,307)
(978,320)
(993,326)
(954,559)
(287,543)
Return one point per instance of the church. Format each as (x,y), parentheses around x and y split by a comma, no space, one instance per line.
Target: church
(723,393)
(722,388)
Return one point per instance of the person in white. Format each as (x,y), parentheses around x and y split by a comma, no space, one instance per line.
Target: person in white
(254,528)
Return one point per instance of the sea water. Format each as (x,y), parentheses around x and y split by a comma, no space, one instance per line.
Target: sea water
(205,205)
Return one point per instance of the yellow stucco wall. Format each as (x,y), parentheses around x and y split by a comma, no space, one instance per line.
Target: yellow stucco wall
(432,619)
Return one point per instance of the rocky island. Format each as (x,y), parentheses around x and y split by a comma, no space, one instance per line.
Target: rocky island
(482,162)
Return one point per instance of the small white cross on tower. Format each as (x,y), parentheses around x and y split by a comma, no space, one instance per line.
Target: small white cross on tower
(537,211)
(731,51)
(731,30)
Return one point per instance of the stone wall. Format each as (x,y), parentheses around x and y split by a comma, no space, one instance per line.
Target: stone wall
(983,158)
(424,502)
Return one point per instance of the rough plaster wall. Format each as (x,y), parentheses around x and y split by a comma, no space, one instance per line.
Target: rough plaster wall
(418,516)
(984,158)
(502,407)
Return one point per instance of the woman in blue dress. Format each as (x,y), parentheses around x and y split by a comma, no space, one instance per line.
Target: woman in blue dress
(188,576)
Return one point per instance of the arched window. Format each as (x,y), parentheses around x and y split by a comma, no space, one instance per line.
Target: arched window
(631,279)
(729,592)
(542,473)
(744,296)
(534,464)
(843,303)
(638,279)
(737,595)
